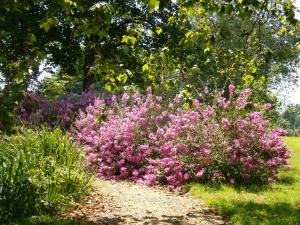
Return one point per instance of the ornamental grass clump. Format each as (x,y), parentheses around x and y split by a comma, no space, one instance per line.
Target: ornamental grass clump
(151,141)
(41,172)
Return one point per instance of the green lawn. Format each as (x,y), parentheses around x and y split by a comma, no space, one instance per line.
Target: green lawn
(276,204)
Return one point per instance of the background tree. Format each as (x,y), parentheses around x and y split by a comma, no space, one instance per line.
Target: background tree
(292,116)
(251,49)
(182,45)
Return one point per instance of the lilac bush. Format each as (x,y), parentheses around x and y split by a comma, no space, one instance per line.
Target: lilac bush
(151,141)
(122,139)
(37,110)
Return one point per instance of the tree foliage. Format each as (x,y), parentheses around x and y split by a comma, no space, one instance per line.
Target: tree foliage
(182,45)
(291,117)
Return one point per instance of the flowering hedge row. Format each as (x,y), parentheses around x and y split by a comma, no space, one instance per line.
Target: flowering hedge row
(148,140)
(37,110)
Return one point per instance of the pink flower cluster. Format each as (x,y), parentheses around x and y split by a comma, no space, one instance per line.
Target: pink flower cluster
(36,110)
(148,140)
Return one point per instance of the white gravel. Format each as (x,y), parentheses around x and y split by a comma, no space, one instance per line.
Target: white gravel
(130,203)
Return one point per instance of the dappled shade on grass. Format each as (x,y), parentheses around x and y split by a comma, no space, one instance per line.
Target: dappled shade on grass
(251,212)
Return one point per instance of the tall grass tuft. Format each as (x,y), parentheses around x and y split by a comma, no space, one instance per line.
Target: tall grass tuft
(40,171)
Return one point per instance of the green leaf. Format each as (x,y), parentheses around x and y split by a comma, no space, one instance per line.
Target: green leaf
(102,118)
(19,78)
(169,84)
(145,68)
(282,31)
(253,69)
(71,2)
(247,78)
(101,34)
(206,50)
(133,40)
(125,48)
(129,73)
(186,106)
(150,77)
(153,5)
(125,39)
(108,87)
(122,78)
(158,30)
(129,39)
(32,38)
(188,34)
(48,24)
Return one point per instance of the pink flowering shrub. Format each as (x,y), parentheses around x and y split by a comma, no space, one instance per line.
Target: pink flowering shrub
(36,110)
(148,140)
(122,139)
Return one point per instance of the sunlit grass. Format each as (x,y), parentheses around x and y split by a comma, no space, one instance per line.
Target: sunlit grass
(276,204)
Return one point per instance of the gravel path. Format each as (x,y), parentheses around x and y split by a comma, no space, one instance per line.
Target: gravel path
(129,203)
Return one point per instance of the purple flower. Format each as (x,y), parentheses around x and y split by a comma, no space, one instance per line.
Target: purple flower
(200,173)
(225,123)
(267,106)
(231,90)
(125,98)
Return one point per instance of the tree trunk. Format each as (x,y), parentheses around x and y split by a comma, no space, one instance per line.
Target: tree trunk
(89,58)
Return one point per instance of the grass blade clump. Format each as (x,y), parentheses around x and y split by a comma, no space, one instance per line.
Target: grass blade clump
(40,171)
